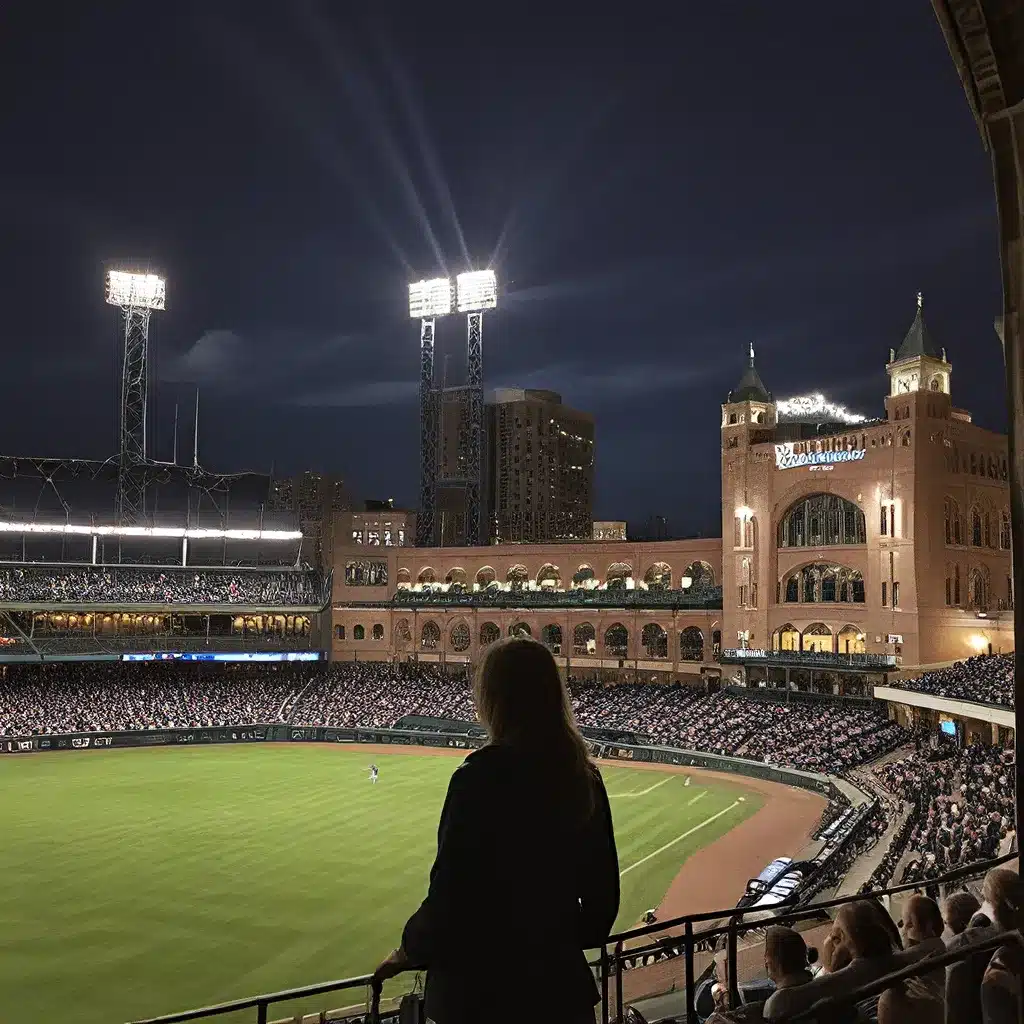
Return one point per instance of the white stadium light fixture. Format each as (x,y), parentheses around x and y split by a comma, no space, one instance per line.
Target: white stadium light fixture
(80,529)
(430,298)
(143,291)
(477,290)
(811,406)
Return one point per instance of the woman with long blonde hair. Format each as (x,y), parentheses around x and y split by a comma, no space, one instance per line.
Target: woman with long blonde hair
(526,875)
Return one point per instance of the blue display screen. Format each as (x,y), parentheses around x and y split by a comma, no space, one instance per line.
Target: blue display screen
(949,728)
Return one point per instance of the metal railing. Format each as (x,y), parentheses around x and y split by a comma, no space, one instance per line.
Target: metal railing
(262,1003)
(614,954)
(807,659)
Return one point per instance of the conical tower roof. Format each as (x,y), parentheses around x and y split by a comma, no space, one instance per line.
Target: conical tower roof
(918,341)
(750,388)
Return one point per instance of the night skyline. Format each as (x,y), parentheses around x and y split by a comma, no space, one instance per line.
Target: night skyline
(655,198)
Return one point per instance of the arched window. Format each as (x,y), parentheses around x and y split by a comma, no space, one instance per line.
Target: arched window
(823,582)
(817,638)
(516,577)
(358,633)
(551,637)
(519,629)
(378,631)
(850,640)
(485,577)
(1004,530)
(949,586)
(616,640)
(974,464)
(716,643)
(956,585)
(584,639)
(821,520)
(659,576)
(618,573)
(786,638)
(549,576)
(339,632)
(489,632)
(427,575)
(951,521)
(978,589)
(691,644)
(456,578)
(700,574)
(459,637)
(402,577)
(654,640)
(430,636)
(976,528)
(582,575)
(905,439)
(402,632)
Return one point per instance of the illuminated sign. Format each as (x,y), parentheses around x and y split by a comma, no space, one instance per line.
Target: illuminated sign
(786,458)
(234,656)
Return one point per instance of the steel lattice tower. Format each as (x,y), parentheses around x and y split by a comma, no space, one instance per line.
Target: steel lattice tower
(429,432)
(475,446)
(428,300)
(136,295)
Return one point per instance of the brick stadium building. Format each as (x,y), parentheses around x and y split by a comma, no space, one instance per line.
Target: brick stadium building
(849,546)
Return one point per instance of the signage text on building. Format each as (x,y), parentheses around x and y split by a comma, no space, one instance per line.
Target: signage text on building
(786,458)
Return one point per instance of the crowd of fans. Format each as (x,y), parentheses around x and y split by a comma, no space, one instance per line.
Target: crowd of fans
(371,694)
(864,945)
(816,737)
(985,679)
(134,585)
(69,697)
(77,697)
(961,803)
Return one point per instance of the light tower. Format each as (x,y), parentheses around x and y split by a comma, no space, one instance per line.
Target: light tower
(476,291)
(427,301)
(136,295)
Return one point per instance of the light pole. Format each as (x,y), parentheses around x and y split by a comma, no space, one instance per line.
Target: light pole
(427,301)
(136,295)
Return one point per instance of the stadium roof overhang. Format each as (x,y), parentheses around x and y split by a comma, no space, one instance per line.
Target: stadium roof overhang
(947,706)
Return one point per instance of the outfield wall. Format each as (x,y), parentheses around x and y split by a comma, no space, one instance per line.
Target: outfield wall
(460,740)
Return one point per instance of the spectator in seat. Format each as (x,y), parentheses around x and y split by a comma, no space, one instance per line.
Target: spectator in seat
(1003,897)
(1001,986)
(526,823)
(786,962)
(957,911)
(918,1000)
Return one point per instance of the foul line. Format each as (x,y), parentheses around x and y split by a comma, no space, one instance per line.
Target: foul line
(679,839)
(641,792)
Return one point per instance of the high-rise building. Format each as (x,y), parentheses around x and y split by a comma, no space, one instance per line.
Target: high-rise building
(540,468)
(319,501)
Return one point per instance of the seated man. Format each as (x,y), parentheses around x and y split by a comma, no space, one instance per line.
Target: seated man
(786,962)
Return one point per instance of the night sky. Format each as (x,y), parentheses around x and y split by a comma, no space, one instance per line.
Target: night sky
(655,190)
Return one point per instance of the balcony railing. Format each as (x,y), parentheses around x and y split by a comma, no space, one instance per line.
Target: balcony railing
(808,659)
(708,598)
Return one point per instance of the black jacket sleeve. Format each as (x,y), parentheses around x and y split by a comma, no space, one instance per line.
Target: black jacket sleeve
(599,890)
(433,929)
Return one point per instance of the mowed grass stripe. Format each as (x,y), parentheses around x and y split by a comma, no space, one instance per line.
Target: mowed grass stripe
(143,881)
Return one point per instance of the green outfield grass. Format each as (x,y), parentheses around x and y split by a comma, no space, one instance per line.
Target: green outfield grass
(138,882)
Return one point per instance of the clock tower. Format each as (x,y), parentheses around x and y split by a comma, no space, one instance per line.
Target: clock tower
(918,365)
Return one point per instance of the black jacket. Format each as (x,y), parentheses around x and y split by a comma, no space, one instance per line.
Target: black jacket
(516,894)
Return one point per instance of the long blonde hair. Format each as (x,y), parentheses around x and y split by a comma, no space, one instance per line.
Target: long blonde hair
(523,704)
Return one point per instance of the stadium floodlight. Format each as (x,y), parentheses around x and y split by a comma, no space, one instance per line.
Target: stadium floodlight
(84,530)
(146,291)
(477,290)
(432,298)
(809,407)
